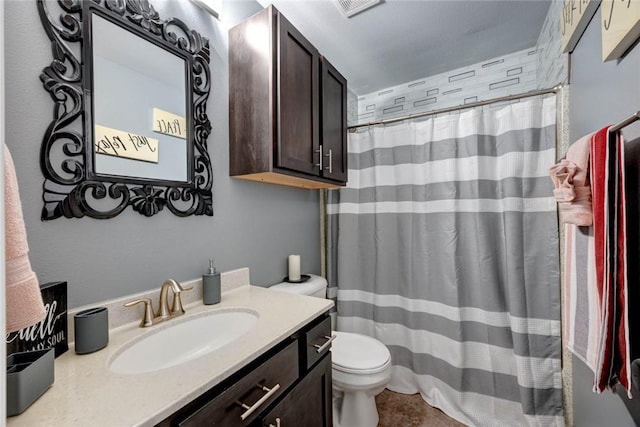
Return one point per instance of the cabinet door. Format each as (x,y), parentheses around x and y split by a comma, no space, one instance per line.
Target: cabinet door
(334,123)
(309,404)
(298,101)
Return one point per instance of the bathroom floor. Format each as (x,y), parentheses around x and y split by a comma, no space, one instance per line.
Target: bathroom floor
(409,410)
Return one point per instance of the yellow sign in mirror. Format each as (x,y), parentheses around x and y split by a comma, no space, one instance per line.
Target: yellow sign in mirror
(113,142)
(169,123)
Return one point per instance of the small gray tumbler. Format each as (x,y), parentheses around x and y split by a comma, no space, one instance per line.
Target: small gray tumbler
(91,330)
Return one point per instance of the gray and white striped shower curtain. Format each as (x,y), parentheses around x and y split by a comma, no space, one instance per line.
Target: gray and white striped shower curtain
(444,246)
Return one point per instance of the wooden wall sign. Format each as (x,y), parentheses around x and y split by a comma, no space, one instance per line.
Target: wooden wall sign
(576,14)
(169,123)
(50,332)
(620,27)
(113,142)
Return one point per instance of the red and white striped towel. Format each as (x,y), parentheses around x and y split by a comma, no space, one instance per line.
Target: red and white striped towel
(596,316)
(610,258)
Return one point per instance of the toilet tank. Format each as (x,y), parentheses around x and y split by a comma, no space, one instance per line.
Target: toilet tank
(316,286)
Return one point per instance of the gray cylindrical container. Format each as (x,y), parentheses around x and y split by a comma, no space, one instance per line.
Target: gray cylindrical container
(211,285)
(91,330)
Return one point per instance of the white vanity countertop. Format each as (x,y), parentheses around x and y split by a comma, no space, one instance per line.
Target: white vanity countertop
(85,392)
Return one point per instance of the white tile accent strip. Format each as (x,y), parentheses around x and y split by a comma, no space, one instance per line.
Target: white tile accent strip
(488,79)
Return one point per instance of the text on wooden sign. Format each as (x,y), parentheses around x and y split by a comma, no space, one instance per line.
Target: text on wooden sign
(113,142)
(169,123)
(620,27)
(576,14)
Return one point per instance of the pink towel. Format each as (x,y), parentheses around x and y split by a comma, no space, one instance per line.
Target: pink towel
(24,300)
(572,189)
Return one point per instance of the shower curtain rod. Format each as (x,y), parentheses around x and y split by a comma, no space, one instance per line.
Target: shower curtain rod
(554,89)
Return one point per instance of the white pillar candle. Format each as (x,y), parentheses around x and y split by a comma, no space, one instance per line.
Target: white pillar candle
(294,267)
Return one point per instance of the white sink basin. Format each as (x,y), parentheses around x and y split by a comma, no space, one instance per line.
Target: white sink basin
(180,340)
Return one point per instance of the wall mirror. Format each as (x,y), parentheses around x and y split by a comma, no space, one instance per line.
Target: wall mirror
(129,121)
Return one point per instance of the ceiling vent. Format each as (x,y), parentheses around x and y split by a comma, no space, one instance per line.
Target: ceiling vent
(352,7)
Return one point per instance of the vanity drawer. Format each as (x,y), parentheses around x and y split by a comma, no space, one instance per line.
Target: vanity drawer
(317,341)
(276,375)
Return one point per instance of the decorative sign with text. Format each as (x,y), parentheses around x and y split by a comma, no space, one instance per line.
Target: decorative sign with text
(113,142)
(50,332)
(576,15)
(169,124)
(620,27)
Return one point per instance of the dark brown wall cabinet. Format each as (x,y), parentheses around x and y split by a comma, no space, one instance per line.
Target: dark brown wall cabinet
(287,107)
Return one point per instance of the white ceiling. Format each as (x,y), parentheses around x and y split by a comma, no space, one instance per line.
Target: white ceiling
(398,41)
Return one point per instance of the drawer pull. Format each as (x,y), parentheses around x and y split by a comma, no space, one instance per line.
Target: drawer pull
(320,348)
(330,156)
(277,423)
(251,409)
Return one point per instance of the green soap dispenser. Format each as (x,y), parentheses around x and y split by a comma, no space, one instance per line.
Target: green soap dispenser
(211,285)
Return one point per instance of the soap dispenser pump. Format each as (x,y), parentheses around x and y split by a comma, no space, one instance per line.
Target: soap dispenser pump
(211,285)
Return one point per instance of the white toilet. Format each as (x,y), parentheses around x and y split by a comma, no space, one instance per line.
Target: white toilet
(361,366)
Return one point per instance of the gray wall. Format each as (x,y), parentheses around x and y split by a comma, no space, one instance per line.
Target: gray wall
(601,94)
(255,225)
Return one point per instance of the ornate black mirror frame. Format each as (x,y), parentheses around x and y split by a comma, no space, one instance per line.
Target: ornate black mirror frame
(71,188)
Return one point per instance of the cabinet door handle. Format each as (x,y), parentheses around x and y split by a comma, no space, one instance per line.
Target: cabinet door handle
(320,348)
(320,157)
(277,423)
(251,409)
(330,156)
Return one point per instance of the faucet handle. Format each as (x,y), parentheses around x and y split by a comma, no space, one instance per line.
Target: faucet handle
(147,318)
(176,306)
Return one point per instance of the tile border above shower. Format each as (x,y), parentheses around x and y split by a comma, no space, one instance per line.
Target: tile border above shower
(492,78)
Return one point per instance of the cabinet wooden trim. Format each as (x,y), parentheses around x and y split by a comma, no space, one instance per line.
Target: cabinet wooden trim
(289,180)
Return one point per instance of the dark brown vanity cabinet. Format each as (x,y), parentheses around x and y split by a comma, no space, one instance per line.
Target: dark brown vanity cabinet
(287,107)
(308,404)
(290,385)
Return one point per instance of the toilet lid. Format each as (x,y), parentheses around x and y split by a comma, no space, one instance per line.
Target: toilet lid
(358,354)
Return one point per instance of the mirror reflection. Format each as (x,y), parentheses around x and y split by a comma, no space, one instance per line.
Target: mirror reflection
(139,106)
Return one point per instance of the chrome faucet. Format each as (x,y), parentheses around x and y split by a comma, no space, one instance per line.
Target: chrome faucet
(164,311)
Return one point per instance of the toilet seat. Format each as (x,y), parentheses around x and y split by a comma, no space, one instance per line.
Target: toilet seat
(359,354)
